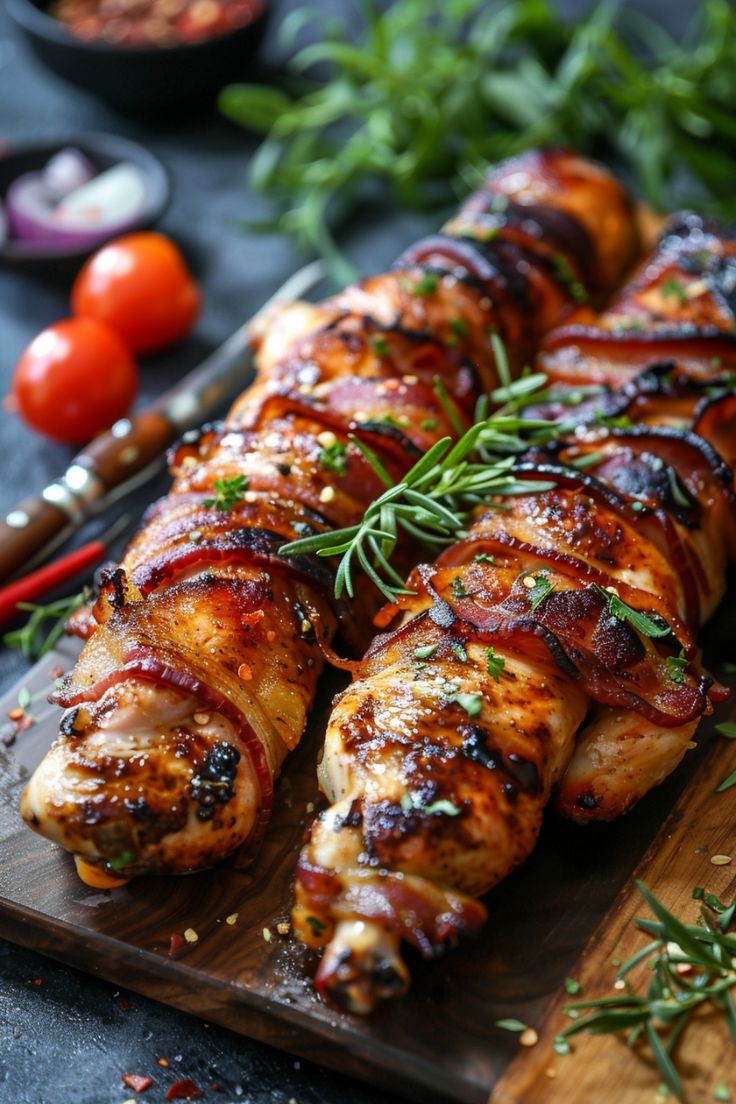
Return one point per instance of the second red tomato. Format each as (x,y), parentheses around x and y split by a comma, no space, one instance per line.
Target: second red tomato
(140,285)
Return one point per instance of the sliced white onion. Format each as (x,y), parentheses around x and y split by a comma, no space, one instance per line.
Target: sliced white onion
(108,204)
(66,171)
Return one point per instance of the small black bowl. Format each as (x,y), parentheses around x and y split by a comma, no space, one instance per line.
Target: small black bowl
(103,151)
(138,79)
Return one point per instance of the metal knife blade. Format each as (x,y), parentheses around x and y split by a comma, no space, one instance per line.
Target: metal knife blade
(132,451)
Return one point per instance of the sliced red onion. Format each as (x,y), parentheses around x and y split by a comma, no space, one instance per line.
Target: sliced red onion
(66,171)
(106,205)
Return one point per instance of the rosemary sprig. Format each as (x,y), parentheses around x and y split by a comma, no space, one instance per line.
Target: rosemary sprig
(691,965)
(33,639)
(432,501)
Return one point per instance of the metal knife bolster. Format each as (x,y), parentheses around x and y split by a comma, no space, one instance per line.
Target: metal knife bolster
(132,451)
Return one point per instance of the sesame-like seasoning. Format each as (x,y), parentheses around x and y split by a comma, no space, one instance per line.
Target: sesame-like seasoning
(529,582)
(327,494)
(283,927)
(326,438)
(232,919)
(201,718)
(528,1037)
(266,935)
(191,936)
(720,860)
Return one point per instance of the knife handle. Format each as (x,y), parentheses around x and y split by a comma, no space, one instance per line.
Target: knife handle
(130,446)
(30,525)
(112,458)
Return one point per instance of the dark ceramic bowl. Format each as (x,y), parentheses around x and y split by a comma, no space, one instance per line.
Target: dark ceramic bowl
(103,151)
(140,79)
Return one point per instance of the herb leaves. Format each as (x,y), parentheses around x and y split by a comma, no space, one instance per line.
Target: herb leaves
(426,93)
(691,966)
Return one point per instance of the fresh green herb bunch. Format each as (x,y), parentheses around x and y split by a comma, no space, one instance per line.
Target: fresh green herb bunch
(426,92)
(691,965)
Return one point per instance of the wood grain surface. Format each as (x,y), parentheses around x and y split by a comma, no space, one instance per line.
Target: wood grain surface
(253,980)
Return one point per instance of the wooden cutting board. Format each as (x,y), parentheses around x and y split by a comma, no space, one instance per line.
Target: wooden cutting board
(567,911)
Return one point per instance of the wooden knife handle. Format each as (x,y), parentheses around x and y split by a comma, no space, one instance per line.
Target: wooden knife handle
(109,460)
(129,447)
(27,527)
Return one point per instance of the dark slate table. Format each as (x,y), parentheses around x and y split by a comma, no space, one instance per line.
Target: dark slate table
(66,1038)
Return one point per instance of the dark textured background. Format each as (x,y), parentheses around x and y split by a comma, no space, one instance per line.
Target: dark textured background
(65,1038)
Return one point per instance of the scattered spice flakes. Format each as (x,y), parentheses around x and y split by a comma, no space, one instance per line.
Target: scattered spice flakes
(266,935)
(720,860)
(550,1072)
(55,672)
(283,927)
(185,1089)
(163,1062)
(176,943)
(251,618)
(191,936)
(38,981)
(138,1082)
(231,919)
(245,672)
(529,1037)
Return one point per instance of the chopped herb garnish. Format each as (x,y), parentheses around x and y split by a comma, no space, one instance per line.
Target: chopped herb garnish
(679,493)
(567,276)
(379,345)
(195,535)
(483,557)
(457,588)
(427,285)
(727,729)
(459,652)
(317,925)
(334,458)
(511,1025)
(24,698)
(672,287)
(676,667)
(125,858)
(32,639)
(722,1093)
(571,986)
(672,994)
(471,703)
(458,327)
(429,423)
(228,493)
(540,591)
(494,664)
(425,651)
(635,618)
(442,807)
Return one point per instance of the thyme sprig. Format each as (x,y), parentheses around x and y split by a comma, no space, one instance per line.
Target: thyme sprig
(34,639)
(691,966)
(431,503)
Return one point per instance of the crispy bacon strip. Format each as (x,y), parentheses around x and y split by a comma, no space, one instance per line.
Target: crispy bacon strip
(553,647)
(205,646)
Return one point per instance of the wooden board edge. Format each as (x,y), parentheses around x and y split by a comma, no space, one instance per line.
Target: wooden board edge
(602,1068)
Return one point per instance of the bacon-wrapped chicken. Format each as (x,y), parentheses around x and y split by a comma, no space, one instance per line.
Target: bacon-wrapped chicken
(550,649)
(206,645)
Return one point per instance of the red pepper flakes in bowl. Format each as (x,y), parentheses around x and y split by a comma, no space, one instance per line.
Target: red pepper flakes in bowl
(154,22)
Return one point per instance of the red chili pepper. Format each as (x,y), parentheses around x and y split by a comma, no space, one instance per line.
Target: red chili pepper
(183,1090)
(176,943)
(136,1081)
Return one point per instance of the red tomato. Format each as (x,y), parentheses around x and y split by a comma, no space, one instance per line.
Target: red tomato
(140,285)
(74,379)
